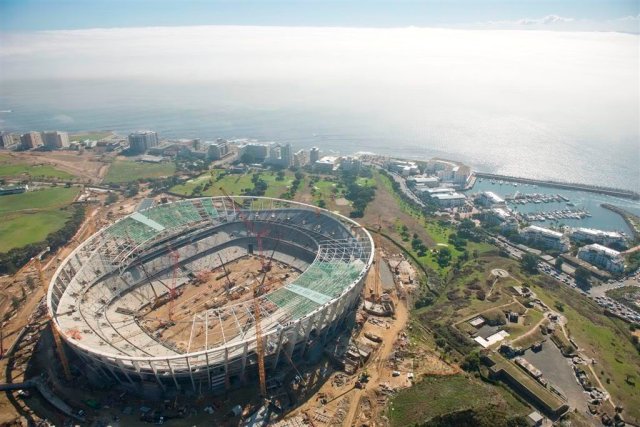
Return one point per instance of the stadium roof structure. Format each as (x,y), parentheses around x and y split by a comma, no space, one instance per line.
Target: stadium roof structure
(98,289)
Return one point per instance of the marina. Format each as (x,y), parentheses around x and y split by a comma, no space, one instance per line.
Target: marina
(559,206)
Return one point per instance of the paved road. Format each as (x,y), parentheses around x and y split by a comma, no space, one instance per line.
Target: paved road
(406,190)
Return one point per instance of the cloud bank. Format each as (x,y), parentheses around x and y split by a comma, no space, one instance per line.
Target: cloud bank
(626,24)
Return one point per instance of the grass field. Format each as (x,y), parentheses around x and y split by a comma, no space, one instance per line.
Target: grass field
(29,228)
(234,183)
(10,167)
(434,396)
(89,135)
(128,170)
(30,217)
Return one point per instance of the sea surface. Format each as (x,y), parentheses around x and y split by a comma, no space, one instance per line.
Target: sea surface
(540,104)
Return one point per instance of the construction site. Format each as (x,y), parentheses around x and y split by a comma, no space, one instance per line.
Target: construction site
(235,310)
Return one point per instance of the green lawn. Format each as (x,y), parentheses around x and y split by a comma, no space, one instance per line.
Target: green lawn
(234,184)
(128,170)
(10,167)
(440,395)
(90,135)
(47,199)
(30,228)
(30,217)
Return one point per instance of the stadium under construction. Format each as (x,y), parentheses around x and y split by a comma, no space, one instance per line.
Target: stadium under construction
(207,293)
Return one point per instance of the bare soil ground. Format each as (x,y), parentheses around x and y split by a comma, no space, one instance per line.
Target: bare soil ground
(86,166)
(194,298)
(384,210)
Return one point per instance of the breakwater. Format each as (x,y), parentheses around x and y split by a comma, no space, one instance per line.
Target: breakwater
(618,192)
(632,220)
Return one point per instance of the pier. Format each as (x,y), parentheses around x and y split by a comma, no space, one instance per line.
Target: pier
(618,192)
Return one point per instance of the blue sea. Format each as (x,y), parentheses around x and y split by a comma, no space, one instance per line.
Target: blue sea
(270,113)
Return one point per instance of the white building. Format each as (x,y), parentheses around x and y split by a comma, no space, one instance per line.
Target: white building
(489,198)
(597,236)
(448,200)
(546,238)
(403,168)
(602,257)
(501,216)
(253,152)
(9,140)
(55,139)
(31,140)
(423,181)
(218,149)
(326,164)
(300,158)
(449,171)
(141,141)
(350,163)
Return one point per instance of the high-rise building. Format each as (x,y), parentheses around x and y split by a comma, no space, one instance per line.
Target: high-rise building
(141,141)
(31,140)
(218,149)
(55,139)
(9,140)
(314,155)
(301,158)
(286,156)
(253,153)
(350,163)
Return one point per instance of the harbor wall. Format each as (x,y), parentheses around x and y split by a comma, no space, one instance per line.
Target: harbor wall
(627,194)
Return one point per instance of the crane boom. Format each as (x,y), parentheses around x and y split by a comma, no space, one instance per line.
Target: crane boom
(260,347)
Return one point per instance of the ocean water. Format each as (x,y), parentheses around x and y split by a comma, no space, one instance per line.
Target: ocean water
(541,104)
(211,111)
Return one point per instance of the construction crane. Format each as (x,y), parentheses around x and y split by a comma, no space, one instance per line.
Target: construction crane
(262,375)
(175,257)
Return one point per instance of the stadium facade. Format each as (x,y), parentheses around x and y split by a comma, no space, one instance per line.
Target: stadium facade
(98,293)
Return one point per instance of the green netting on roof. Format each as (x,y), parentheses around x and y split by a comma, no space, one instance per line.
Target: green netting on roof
(130,228)
(209,208)
(327,278)
(173,215)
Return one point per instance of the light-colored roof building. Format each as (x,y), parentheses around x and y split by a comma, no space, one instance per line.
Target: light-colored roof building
(546,238)
(602,257)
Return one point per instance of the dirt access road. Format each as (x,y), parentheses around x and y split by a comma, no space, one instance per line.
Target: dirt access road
(376,367)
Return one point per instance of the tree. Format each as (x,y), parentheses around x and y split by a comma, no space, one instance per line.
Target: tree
(322,204)
(558,263)
(529,263)
(444,257)
(583,278)
(471,362)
